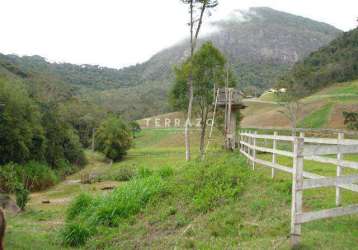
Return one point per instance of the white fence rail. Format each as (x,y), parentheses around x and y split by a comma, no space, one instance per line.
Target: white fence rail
(307,148)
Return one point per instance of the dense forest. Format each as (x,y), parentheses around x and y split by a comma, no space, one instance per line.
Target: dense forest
(336,62)
(45,128)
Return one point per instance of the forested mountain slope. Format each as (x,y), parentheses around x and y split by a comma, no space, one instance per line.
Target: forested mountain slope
(261,44)
(336,62)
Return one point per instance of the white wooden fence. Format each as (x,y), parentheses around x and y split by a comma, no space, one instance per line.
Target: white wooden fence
(307,148)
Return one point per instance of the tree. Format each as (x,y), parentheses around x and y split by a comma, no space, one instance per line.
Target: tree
(63,143)
(83,116)
(197,9)
(351,120)
(135,127)
(290,102)
(113,138)
(208,72)
(21,134)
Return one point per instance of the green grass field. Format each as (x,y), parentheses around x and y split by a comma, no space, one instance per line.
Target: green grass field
(216,204)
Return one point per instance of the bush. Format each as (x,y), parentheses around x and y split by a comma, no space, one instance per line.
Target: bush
(22,196)
(33,176)
(113,138)
(81,203)
(37,176)
(124,174)
(75,234)
(9,178)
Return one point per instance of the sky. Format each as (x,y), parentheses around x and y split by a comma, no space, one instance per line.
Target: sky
(118,33)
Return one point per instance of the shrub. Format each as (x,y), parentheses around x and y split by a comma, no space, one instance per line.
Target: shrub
(113,138)
(124,174)
(81,203)
(33,176)
(22,196)
(75,234)
(37,176)
(9,178)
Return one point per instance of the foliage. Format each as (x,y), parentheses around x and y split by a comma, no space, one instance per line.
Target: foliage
(336,62)
(351,120)
(29,131)
(109,210)
(9,178)
(75,234)
(36,176)
(63,142)
(135,127)
(22,196)
(113,138)
(33,176)
(165,172)
(80,203)
(210,184)
(21,134)
(124,174)
(208,73)
(84,117)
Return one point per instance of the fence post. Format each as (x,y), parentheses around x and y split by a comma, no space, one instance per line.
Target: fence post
(274,156)
(254,151)
(339,167)
(297,184)
(247,147)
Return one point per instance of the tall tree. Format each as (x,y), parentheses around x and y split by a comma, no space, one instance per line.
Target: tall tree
(197,9)
(208,72)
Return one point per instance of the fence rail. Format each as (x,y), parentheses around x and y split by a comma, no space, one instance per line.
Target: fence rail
(307,148)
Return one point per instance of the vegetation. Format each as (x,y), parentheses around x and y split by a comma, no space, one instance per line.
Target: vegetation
(267,45)
(351,120)
(113,138)
(336,62)
(208,72)
(317,119)
(220,203)
(135,127)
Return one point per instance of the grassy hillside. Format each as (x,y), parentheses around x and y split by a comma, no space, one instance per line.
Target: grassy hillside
(218,204)
(323,109)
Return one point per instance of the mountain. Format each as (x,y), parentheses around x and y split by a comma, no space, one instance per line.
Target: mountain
(262,44)
(336,62)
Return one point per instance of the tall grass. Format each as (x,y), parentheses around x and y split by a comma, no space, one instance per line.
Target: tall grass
(108,210)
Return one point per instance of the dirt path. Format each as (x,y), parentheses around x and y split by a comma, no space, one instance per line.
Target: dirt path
(62,193)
